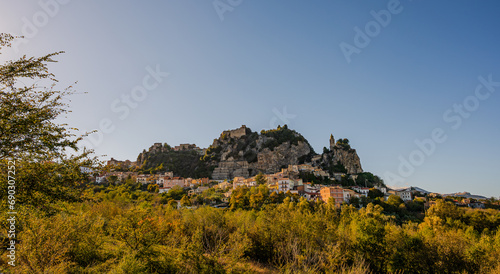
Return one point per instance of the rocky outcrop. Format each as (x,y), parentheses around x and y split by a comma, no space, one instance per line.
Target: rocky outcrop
(339,158)
(271,161)
(349,159)
(243,153)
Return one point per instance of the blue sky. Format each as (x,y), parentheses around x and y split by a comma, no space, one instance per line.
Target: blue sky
(250,61)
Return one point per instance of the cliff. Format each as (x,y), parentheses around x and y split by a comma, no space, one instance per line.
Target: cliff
(339,158)
(243,153)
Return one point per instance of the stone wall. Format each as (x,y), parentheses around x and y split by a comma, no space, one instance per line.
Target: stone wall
(236,133)
(230,169)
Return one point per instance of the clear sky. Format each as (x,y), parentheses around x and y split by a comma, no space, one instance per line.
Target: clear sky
(381,73)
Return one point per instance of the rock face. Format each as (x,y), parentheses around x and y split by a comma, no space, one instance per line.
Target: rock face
(349,159)
(231,169)
(282,156)
(268,161)
(243,153)
(339,158)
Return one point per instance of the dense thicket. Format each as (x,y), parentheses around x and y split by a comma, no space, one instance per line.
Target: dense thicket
(121,229)
(186,163)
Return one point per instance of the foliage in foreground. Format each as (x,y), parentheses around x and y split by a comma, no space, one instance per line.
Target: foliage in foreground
(119,234)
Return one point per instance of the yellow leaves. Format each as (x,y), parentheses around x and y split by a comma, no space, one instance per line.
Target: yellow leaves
(56,244)
(136,237)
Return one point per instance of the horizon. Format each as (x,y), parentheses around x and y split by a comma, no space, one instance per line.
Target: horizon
(411,84)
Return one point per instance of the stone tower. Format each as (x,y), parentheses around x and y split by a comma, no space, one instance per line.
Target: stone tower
(332,142)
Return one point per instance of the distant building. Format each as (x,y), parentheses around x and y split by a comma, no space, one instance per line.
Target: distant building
(100,179)
(223,185)
(198,190)
(287,184)
(171,182)
(194,147)
(405,194)
(164,189)
(86,170)
(349,194)
(312,192)
(123,164)
(335,192)
(143,178)
(362,190)
(473,204)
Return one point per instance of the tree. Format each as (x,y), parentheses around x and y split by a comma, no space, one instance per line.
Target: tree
(176,193)
(260,179)
(172,203)
(343,143)
(444,210)
(185,201)
(369,180)
(112,179)
(374,193)
(31,138)
(355,201)
(256,200)
(304,205)
(331,201)
(27,113)
(153,188)
(274,198)
(395,201)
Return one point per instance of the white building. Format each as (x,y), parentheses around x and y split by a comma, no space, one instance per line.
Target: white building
(142,178)
(284,185)
(362,190)
(163,189)
(405,194)
(349,194)
(100,179)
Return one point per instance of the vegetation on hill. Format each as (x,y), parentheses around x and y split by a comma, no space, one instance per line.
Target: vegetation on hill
(184,163)
(310,177)
(368,179)
(281,135)
(336,168)
(343,143)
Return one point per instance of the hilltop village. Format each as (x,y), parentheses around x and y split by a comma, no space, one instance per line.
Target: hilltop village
(335,176)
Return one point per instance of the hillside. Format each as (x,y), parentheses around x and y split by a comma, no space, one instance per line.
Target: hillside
(184,162)
(467,195)
(242,152)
